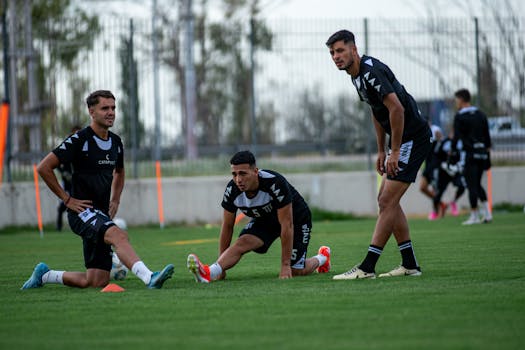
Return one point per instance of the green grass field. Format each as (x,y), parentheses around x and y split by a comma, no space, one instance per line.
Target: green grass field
(471,294)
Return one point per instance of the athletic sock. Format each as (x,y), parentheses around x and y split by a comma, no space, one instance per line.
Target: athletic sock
(408,256)
(215,271)
(321,258)
(486,211)
(142,272)
(53,277)
(369,264)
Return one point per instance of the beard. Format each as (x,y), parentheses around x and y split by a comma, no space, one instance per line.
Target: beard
(348,65)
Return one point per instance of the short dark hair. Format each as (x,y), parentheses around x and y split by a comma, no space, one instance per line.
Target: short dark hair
(93,97)
(345,35)
(243,157)
(463,94)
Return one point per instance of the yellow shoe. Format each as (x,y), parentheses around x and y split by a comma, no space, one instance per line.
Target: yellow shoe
(354,273)
(401,271)
(200,271)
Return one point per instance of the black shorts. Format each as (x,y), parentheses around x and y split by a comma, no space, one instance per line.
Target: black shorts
(92,225)
(412,154)
(268,229)
(428,173)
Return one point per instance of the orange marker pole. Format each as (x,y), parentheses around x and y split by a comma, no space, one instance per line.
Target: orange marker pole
(37,198)
(489,189)
(160,202)
(4,117)
(239,217)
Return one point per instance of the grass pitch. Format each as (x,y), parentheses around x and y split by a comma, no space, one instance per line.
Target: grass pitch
(470,296)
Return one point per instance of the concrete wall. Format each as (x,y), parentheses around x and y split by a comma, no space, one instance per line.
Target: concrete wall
(198,199)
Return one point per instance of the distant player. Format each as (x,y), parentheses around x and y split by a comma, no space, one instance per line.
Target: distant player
(97,158)
(449,170)
(472,129)
(427,184)
(395,113)
(276,210)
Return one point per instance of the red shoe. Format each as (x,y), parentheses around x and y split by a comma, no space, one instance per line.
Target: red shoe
(324,250)
(199,270)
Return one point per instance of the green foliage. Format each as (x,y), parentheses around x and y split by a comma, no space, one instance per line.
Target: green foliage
(65,29)
(509,207)
(129,103)
(61,33)
(319,214)
(313,118)
(470,295)
(223,71)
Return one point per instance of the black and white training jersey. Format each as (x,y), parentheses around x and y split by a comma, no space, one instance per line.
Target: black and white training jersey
(374,82)
(274,193)
(92,161)
(472,128)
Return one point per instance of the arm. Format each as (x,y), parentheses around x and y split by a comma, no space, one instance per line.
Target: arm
(285,217)
(397,123)
(45,170)
(380,138)
(225,239)
(117,186)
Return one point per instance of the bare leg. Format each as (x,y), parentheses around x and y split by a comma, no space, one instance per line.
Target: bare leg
(391,217)
(75,279)
(120,240)
(401,230)
(231,256)
(91,278)
(310,265)
(424,188)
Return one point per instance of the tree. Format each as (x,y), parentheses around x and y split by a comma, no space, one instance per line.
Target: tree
(340,121)
(133,127)
(501,52)
(222,69)
(61,33)
(488,96)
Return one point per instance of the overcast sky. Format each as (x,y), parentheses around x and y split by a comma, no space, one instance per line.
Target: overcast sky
(272,9)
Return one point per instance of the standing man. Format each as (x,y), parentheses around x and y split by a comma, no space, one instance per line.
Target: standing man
(277,210)
(395,113)
(472,129)
(97,159)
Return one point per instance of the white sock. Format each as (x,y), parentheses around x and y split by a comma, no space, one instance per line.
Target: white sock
(215,271)
(486,210)
(53,277)
(142,271)
(321,258)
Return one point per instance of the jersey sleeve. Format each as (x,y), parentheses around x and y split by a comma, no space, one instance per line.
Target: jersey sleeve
(281,191)
(379,80)
(68,149)
(120,150)
(228,198)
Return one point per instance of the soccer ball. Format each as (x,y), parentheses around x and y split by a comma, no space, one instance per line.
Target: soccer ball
(121,223)
(118,270)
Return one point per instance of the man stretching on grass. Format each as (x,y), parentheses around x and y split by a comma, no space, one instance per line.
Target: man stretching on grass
(276,209)
(97,161)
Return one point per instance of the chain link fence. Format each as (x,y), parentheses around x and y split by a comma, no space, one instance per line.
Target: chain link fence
(304,107)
